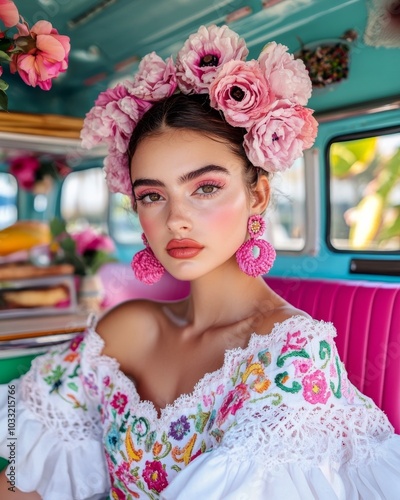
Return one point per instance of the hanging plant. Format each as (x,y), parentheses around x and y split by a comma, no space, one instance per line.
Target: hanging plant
(327,61)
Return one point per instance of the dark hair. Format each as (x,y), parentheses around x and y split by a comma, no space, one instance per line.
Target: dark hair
(193,112)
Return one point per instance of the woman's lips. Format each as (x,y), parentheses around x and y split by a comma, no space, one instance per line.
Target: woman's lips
(184,249)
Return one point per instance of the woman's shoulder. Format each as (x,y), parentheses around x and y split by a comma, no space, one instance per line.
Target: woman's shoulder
(130,329)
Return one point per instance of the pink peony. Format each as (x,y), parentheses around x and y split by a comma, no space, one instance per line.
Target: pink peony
(9,14)
(89,239)
(25,168)
(116,169)
(45,60)
(241,92)
(155,78)
(112,119)
(288,77)
(203,53)
(276,141)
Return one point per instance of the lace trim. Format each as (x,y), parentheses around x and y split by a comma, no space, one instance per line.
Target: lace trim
(70,425)
(95,345)
(274,436)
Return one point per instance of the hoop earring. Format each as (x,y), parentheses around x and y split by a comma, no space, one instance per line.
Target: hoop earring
(145,265)
(248,263)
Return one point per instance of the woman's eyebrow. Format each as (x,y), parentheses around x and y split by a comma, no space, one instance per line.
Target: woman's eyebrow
(184,178)
(200,171)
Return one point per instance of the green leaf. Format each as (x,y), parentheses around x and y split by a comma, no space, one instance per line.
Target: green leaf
(3,85)
(57,227)
(4,57)
(98,259)
(3,100)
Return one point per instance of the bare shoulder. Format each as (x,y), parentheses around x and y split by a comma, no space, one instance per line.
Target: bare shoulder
(129,330)
(279,315)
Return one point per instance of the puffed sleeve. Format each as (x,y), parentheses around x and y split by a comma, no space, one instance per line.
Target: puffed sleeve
(305,432)
(55,446)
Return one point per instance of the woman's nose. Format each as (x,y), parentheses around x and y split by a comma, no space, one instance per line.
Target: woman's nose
(179,218)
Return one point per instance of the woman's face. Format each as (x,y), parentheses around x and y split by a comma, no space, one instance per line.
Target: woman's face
(192,200)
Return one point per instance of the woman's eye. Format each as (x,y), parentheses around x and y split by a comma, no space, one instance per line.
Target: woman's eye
(149,197)
(207,189)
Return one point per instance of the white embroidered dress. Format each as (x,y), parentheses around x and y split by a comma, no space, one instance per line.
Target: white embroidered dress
(278,420)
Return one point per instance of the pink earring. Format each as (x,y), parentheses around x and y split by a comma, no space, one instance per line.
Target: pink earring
(248,263)
(147,268)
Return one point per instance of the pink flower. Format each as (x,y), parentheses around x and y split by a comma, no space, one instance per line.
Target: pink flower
(112,119)
(203,53)
(119,402)
(301,366)
(288,77)
(9,14)
(155,78)
(315,388)
(275,142)
(294,342)
(116,169)
(241,92)
(232,402)
(24,168)
(89,240)
(47,58)
(155,476)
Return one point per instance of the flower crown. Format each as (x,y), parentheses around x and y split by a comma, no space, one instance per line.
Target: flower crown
(266,96)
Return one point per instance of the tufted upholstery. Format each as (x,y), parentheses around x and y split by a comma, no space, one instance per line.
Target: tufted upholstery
(367,318)
(365,314)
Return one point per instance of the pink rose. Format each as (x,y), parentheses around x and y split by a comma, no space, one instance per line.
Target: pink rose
(241,92)
(8,13)
(45,60)
(288,77)
(275,142)
(203,53)
(25,168)
(116,169)
(155,78)
(89,239)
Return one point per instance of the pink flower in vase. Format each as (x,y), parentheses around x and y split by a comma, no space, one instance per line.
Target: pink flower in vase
(45,54)
(91,240)
(25,169)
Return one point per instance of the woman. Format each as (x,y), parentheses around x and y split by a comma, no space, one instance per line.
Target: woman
(231,392)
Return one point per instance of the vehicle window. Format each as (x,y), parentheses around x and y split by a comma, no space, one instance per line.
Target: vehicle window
(285,216)
(365,193)
(84,199)
(125,228)
(8,200)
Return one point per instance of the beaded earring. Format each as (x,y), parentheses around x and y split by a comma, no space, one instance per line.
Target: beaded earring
(147,268)
(248,263)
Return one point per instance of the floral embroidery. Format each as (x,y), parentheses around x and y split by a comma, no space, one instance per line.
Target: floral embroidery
(179,428)
(301,366)
(294,342)
(155,476)
(315,388)
(233,401)
(72,356)
(113,439)
(76,342)
(119,402)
